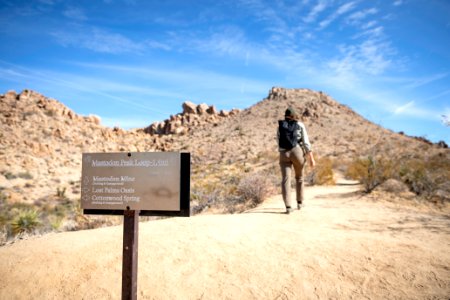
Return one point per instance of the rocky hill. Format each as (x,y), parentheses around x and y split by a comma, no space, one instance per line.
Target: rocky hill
(335,130)
(41,141)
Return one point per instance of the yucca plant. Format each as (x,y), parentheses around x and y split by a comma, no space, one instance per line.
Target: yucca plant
(25,221)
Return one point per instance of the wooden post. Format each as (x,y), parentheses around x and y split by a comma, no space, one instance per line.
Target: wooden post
(130,254)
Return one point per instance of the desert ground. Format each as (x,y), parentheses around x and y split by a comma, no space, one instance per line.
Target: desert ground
(341,245)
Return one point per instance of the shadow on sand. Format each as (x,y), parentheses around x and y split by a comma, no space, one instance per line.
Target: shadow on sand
(340,195)
(266,210)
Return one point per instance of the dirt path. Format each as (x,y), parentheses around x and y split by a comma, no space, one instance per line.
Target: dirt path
(338,246)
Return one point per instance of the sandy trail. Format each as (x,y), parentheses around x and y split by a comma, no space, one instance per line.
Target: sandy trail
(338,246)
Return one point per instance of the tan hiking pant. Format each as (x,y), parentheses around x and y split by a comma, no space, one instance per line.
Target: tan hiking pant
(293,157)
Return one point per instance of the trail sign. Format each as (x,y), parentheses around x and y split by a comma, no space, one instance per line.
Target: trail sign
(155,183)
(134,184)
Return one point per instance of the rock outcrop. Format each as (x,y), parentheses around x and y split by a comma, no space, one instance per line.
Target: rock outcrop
(192,117)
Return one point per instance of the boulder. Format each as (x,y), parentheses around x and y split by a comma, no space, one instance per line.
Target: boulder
(180,130)
(11,95)
(202,109)
(189,108)
(90,119)
(234,111)
(224,113)
(212,110)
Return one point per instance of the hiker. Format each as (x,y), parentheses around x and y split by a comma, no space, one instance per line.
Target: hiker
(294,148)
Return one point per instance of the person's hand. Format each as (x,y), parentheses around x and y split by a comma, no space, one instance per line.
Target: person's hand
(312,162)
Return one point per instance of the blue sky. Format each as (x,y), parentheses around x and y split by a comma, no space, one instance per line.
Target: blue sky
(133,62)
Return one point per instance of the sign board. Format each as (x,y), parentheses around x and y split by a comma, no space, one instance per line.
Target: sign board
(154,183)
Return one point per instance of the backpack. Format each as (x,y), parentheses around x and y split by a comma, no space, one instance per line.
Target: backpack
(287,130)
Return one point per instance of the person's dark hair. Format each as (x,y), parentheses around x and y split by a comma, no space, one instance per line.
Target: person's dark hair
(290,113)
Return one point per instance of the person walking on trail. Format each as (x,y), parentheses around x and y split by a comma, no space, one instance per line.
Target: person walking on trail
(294,148)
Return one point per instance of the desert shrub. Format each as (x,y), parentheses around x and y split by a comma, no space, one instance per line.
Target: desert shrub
(3,198)
(25,221)
(4,211)
(232,193)
(204,198)
(55,222)
(61,193)
(254,188)
(25,175)
(8,175)
(217,193)
(427,177)
(371,171)
(3,235)
(323,173)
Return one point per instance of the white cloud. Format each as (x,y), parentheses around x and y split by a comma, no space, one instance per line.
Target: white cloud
(411,110)
(92,85)
(369,24)
(308,36)
(97,40)
(315,11)
(372,33)
(189,77)
(401,109)
(75,13)
(418,82)
(398,2)
(47,2)
(158,45)
(230,41)
(359,16)
(368,58)
(440,95)
(343,9)
(273,17)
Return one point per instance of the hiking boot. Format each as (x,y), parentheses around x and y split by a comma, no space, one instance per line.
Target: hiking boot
(289,210)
